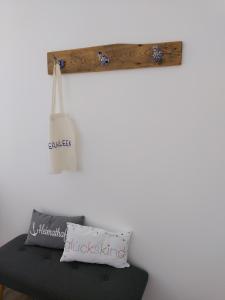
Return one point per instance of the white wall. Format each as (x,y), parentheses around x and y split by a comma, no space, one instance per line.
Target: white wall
(152,139)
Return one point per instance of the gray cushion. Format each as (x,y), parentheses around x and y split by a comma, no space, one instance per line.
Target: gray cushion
(49,231)
(36,271)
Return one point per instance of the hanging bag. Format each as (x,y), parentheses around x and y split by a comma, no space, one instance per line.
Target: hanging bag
(62,138)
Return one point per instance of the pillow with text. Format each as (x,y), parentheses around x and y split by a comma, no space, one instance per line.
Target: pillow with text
(95,245)
(49,231)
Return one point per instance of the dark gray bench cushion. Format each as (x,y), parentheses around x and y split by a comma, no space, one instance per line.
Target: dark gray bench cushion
(37,271)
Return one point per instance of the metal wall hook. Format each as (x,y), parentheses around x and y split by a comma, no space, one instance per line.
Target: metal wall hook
(157,54)
(103,58)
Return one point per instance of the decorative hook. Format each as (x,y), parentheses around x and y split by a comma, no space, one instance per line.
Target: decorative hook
(103,58)
(61,62)
(157,54)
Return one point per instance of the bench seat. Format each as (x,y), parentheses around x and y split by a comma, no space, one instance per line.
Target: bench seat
(37,271)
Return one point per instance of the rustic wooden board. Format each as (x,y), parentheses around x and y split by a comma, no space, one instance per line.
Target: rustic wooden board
(121,56)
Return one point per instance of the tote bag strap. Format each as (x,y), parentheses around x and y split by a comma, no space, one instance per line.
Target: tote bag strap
(57,85)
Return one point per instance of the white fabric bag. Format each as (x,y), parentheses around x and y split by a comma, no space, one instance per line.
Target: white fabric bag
(62,135)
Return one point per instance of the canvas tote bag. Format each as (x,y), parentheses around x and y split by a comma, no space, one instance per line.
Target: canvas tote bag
(62,135)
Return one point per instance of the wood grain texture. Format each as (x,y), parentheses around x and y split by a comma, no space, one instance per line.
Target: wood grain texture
(122,56)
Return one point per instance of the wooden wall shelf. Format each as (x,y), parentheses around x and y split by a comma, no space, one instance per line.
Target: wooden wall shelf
(117,56)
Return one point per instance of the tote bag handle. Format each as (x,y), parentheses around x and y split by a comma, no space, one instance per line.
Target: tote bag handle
(57,83)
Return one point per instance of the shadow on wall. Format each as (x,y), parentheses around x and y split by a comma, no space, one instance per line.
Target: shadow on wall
(155,290)
(78,145)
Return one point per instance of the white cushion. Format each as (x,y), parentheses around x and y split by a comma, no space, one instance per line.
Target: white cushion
(95,245)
